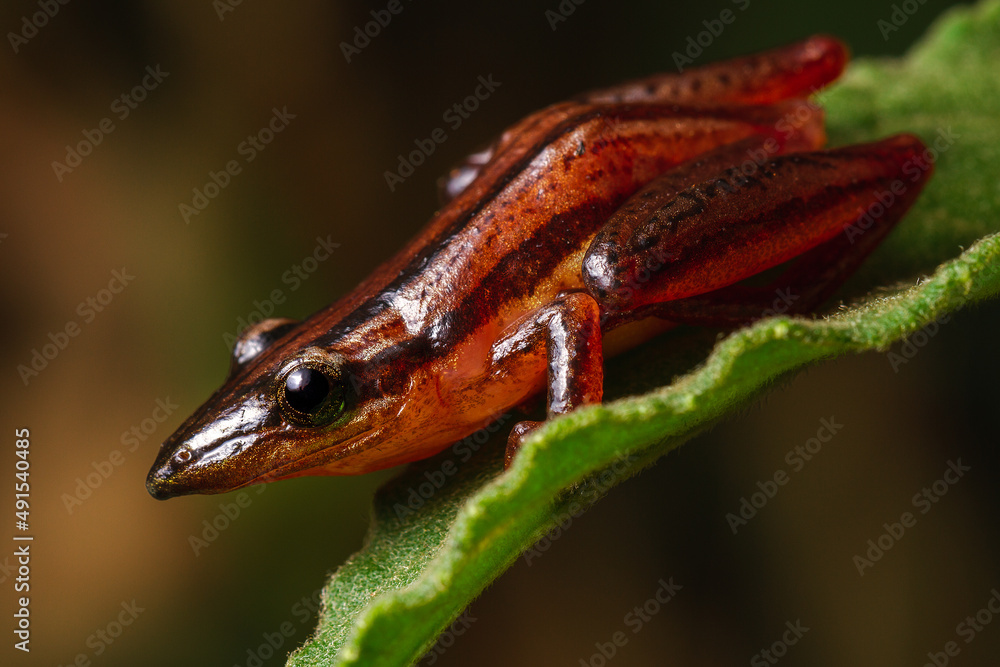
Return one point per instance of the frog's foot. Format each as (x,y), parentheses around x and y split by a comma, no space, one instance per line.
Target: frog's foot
(517,436)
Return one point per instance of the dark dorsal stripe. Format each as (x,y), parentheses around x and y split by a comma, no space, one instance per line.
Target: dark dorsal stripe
(518,272)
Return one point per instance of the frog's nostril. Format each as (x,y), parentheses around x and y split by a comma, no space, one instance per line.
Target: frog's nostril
(162,481)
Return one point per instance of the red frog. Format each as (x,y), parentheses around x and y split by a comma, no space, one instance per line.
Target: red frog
(587,227)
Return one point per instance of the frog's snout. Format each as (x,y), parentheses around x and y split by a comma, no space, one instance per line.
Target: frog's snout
(159,486)
(160,482)
(164,478)
(215,451)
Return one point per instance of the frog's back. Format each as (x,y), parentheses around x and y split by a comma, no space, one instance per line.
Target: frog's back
(515,237)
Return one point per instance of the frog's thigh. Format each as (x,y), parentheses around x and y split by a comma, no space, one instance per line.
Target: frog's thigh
(740,223)
(807,282)
(603,258)
(565,335)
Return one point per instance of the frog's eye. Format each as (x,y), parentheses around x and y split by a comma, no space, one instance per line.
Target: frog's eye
(306,389)
(311,393)
(255,339)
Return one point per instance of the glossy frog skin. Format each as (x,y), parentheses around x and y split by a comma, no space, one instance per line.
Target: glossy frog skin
(586,227)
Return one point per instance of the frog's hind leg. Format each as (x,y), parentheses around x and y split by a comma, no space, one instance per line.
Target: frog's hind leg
(682,257)
(793,71)
(805,285)
(790,71)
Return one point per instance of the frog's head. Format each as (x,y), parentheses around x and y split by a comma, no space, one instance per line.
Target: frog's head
(292,405)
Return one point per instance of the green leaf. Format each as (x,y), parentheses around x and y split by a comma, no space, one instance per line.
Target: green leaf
(448,526)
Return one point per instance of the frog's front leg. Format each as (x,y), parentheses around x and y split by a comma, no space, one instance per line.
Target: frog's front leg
(564,339)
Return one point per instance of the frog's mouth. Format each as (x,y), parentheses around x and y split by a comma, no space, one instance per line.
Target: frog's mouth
(187,466)
(182,469)
(163,484)
(223,471)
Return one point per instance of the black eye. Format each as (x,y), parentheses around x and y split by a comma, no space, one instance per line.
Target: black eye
(312,393)
(306,389)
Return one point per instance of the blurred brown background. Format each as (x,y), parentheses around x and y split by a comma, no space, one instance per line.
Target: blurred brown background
(161,338)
